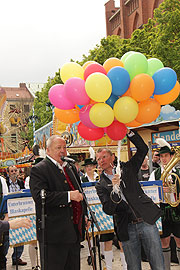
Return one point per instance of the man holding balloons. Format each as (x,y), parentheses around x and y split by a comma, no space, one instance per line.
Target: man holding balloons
(135,214)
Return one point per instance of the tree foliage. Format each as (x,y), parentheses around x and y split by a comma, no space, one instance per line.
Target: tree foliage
(159,38)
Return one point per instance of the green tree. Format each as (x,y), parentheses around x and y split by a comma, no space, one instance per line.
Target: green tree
(159,38)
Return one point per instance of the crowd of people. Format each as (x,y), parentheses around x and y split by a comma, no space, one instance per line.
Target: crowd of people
(121,195)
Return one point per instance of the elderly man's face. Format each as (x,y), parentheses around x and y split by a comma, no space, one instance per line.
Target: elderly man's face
(105,160)
(57,150)
(13,173)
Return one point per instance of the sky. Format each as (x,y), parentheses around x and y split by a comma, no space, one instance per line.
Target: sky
(39,36)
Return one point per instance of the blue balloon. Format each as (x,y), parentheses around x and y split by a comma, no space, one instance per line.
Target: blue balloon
(111,100)
(120,80)
(80,106)
(165,80)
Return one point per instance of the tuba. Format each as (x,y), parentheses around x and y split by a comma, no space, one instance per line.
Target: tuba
(172,181)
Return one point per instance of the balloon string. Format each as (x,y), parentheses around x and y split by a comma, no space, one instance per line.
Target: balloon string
(116,188)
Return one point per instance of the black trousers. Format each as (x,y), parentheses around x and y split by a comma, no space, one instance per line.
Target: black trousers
(61,256)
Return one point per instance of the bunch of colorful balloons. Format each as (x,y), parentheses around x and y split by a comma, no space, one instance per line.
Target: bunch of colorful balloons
(108,98)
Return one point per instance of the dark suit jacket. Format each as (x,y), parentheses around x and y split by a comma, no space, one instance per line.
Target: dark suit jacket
(59,213)
(139,204)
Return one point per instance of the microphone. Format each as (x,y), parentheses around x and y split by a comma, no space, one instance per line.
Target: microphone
(43,194)
(70,160)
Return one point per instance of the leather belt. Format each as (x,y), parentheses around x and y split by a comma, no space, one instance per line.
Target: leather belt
(135,221)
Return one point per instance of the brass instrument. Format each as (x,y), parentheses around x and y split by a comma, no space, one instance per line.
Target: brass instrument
(171,180)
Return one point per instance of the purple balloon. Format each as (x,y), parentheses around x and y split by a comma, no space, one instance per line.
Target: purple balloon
(58,98)
(84,116)
(75,91)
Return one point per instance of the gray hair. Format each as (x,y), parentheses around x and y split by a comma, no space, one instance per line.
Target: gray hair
(106,149)
(51,140)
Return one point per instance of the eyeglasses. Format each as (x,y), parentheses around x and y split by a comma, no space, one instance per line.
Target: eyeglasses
(13,170)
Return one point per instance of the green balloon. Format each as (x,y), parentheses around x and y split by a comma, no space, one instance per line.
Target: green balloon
(154,64)
(135,64)
(123,58)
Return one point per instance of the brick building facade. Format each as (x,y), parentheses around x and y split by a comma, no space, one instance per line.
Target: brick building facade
(13,129)
(131,15)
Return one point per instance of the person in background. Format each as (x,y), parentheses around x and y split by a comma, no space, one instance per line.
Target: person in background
(15,185)
(135,214)
(170,215)
(144,172)
(156,160)
(65,220)
(14,224)
(77,165)
(3,192)
(33,249)
(90,173)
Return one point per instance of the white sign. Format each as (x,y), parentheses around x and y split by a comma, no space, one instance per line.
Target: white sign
(152,192)
(20,207)
(91,195)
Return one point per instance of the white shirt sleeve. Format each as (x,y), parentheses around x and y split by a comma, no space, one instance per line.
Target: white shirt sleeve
(4,186)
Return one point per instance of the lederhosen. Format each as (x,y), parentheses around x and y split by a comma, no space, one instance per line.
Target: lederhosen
(170,215)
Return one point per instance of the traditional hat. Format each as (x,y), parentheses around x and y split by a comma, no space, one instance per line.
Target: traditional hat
(165,147)
(88,161)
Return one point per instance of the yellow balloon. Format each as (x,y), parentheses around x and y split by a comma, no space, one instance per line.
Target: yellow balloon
(70,70)
(125,109)
(101,115)
(98,87)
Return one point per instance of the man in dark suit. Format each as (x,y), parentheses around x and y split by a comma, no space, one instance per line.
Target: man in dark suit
(134,212)
(63,207)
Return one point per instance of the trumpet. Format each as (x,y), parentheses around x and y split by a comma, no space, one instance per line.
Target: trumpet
(172,181)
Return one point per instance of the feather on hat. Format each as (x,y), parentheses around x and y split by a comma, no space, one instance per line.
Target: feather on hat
(165,146)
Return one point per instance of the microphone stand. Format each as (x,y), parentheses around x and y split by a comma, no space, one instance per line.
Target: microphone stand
(43,251)
(92,219)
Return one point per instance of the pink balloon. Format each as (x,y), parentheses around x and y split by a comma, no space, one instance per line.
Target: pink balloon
(90,134)
(84,116)
(58,98)
(75,91)
(92,68)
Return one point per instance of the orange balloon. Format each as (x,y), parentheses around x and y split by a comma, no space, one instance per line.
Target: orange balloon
(170,96)
(149,110)
(87,64)
(142,87)
(133,123)
(127,93)
(112,62)
(68,116)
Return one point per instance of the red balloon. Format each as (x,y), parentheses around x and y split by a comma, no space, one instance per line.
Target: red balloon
(90,134)
(116,131)
(92,68)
